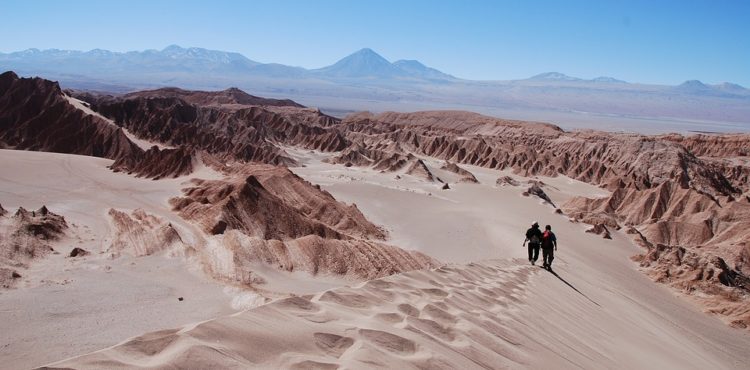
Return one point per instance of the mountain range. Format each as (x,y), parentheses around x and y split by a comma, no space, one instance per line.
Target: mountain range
(366,80)
(364,63)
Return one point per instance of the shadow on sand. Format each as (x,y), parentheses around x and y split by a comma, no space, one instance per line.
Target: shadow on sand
(571,286)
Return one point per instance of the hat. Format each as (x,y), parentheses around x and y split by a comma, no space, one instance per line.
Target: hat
(535,223)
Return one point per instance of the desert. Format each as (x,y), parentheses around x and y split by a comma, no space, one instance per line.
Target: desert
(195,229)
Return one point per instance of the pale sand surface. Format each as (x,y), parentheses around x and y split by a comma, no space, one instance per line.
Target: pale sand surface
(467,223)
(598,311)
(71,306)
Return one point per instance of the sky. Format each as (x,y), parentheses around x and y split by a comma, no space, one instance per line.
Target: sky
(661,42)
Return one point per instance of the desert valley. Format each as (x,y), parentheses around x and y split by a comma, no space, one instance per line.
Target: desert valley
(172,228)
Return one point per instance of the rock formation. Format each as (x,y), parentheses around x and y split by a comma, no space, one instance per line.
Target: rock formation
(507,181)
(35,115)
(231,97)
(140,234)
(536,190)
(466,176)
(25,236)
(419,170)
(600,229)
(266,214)
(234,128)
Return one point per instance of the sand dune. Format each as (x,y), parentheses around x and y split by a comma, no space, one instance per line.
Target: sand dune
(117,217)
(493,314)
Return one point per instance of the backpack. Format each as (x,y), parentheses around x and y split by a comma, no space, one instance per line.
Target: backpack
(547,239)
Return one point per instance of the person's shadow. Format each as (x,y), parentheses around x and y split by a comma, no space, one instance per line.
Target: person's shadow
(571,286)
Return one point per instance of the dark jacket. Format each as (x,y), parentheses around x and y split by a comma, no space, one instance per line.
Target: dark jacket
(534,231)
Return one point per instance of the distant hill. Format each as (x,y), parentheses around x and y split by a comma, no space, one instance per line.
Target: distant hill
(553,76)
(557,76)
(174,59)
(417,69)
(366,80)
(363,63)
(101,62)
(695,87)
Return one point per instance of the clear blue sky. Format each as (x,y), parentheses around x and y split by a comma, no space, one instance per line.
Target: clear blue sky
(640,41)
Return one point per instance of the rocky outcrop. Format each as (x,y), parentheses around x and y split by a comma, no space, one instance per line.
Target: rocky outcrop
(313,202)
(141,234)
(600,229)
(158,163)
(246,205)
(78,252)
(235,129)
(536,190)
(706,277)
(231,97)
(721,146)
(419,170)
(466,176)
(507,181)
(26,236)
(230,124)
(267,215)
(35,115)
(270,203)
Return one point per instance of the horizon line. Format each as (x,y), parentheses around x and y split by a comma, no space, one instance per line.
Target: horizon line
(375,52)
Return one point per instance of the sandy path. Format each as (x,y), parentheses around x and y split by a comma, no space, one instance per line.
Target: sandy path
(467,223)
(493,314)
(473,222)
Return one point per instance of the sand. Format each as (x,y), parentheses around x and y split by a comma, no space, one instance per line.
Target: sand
(487,308)
(69,306)
(72,306)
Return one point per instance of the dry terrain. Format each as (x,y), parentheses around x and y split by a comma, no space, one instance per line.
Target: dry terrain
(238,231)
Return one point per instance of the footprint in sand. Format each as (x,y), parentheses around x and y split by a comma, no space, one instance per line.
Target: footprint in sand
(431,328)
(408,309)
(389,342)
(150,344)
(297,304)
(439,314)
(389,317)
(348,300)
(332,344)
(313,365)
(435,292)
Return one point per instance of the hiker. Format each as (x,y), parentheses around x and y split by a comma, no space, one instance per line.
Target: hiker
(549,241)
(534,237)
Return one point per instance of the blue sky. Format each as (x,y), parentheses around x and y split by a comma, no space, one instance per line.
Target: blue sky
(664,42)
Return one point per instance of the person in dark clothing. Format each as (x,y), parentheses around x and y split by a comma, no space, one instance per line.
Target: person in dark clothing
(549,246)
(534,237)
